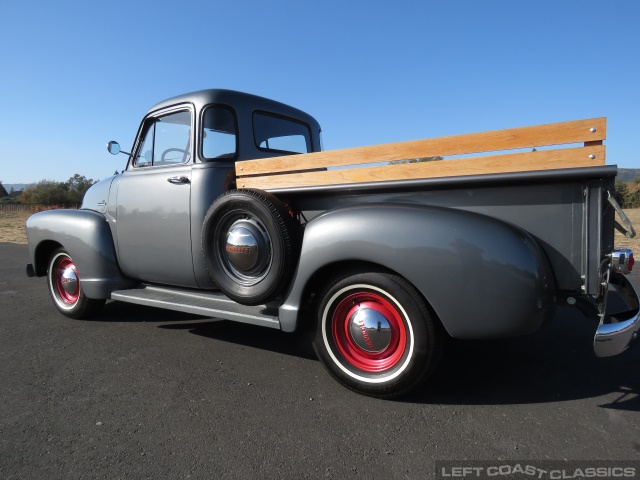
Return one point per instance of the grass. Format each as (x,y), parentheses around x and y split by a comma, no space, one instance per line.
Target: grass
(12,230)
(12,227)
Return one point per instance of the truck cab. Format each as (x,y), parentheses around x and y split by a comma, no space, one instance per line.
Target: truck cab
(184,158)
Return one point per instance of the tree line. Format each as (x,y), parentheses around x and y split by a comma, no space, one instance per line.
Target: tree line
(628,193)
(49,192)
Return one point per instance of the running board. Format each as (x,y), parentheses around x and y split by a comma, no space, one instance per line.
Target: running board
(210,304)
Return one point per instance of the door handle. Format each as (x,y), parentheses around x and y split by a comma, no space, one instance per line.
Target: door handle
(178,180)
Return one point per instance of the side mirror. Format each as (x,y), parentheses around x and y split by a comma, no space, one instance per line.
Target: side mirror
(114,148)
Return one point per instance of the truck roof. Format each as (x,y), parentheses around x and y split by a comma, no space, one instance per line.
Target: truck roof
(240,101)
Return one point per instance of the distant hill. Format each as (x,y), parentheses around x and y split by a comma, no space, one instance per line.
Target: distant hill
(624,174)
(16,186)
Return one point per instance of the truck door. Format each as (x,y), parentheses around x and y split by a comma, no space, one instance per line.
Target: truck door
(153,202)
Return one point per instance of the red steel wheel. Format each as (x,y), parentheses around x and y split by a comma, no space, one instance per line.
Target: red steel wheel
(66,280)
(369,332)
(376,335)
(65,288)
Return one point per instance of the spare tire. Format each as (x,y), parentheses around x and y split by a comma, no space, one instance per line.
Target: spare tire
(250,245)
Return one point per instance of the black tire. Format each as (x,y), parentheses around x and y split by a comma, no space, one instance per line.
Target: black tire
(65,288)
(275,232)
(388,362)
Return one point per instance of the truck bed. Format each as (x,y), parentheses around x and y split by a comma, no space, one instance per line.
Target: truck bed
(556,194)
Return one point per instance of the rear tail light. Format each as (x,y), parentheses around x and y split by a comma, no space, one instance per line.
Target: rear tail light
(631,262)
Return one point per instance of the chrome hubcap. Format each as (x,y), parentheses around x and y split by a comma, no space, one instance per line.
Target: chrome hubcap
(242,248)
(69,281)
(247,248)
(369,330)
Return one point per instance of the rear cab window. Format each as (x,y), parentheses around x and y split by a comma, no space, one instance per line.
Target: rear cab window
(276,133)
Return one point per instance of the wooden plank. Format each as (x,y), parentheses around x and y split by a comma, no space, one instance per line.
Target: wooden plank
(507,163)
(579,131)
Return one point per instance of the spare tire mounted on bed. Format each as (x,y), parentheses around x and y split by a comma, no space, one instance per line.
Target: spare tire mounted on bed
(250,245)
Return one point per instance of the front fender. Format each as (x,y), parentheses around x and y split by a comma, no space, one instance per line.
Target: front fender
(86,235)
(483,277)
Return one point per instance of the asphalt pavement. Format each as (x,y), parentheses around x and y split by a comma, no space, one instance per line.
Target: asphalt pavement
(147,393)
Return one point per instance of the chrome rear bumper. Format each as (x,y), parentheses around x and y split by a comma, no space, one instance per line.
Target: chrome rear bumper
(618,330)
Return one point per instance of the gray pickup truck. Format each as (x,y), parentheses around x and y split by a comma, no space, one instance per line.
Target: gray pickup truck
(381,270)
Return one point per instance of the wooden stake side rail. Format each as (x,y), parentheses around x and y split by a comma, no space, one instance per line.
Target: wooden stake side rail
(302,170)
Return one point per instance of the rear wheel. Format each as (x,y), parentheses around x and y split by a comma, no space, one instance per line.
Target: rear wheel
(65,288)
(376,335)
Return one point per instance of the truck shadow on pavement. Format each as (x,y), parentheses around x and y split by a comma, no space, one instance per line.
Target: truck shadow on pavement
(296,344)
(554,364)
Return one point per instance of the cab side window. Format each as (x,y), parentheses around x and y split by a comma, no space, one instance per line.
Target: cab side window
(219,133)
(167,141)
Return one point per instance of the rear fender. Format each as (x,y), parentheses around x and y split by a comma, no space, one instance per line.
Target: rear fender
(86,235)
(483,277)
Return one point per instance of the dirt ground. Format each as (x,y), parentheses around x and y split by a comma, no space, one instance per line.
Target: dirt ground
(632,243)
(12,230)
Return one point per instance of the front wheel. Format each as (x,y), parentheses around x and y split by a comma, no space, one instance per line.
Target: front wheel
(376,335)
(65,289)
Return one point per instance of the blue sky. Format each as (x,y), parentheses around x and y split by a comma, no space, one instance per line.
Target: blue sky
(78,74)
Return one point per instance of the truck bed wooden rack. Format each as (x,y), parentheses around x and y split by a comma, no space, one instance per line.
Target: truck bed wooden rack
(315,169)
